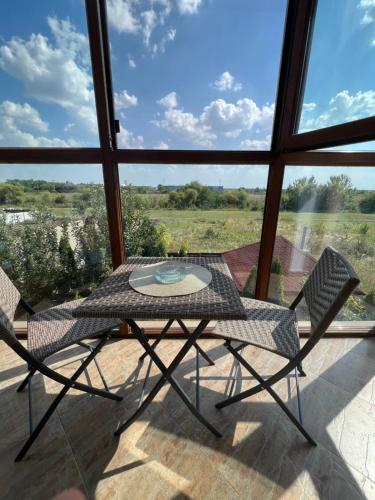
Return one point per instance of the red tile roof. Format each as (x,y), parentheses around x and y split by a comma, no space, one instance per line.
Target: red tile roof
(295,263)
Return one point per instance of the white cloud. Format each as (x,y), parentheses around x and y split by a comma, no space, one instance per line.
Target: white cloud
(308,106)
(169,36)
(368,8)
(169,101)
(226,81)
(22,115)
(187,126)
(256,144)
(131,62)
(56,73)
(188,6)
(122,17)
(131,16)
(230,119)
(126,139)
(343,107)
(18,121)
(162,145)
(123,100)
(219,118)
(166,9)
(149,24)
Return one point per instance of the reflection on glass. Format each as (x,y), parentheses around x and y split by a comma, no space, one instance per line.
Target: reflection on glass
(320,207)
(340,78)
(54,234)
(181,209)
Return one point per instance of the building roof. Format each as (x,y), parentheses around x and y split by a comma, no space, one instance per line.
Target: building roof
(295,263)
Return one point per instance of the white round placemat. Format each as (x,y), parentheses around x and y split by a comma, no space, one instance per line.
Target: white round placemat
(143,280)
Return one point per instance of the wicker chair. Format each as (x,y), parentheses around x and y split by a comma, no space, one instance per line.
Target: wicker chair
(274,328)
(48,332)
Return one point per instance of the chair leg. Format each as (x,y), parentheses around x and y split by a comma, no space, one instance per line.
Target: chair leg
(35,432)
(272,393)
(24,383)
(300,371)
(298,397)
(101,375)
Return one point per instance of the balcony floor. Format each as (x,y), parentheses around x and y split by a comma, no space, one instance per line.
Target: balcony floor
(168,454)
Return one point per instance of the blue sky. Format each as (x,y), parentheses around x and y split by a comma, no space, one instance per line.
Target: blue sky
(188,74)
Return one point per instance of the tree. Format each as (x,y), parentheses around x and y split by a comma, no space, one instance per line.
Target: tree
(337,194)
(35,247)
(10,194)
(301,195)
(67,279)
(367,203)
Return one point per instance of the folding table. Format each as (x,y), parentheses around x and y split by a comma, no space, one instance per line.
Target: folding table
(115,298)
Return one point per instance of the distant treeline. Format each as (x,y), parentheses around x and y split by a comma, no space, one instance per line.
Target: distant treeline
(302,195)
(196,195)
(30,185)
(306,195)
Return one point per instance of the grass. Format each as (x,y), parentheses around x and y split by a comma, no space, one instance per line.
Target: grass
(230,228)
(218,230)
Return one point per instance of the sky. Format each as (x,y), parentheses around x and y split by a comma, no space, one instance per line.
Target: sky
(187,74)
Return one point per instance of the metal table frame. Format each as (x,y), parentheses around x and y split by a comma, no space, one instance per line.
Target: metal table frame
(199,352)
(167,375)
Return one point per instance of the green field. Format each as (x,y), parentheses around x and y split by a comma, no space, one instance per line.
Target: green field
(220,230)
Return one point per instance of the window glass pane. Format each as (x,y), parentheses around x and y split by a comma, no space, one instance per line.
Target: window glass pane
(359,146)
(186,79)
(323,206)
(47,97)
(196,209)
(340,79)
(54,233)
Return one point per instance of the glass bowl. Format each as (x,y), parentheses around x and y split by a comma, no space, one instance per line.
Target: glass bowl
(170,273)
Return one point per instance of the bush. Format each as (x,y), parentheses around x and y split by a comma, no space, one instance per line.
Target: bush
(276,267)
(210,233)
(370,298)
(184,249)
(60,199)
(367,204)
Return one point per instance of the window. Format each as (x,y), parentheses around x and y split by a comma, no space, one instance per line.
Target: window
(323,206)
(184,78)
(54,232)
(340,78)
(196,209)
(47,97)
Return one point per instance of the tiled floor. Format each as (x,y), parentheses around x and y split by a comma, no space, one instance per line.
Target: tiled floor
(167,454)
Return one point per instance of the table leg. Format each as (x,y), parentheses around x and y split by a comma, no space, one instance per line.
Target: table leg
(167,376)
(163,333)
(187,334)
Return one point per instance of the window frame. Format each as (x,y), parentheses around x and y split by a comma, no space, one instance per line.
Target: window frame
(287,147)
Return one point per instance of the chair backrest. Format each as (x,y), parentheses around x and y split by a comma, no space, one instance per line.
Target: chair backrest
(327,289)
(9,299)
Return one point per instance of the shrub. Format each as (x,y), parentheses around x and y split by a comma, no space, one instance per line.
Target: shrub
(370,298)
(276,267)
(210,233)
(184,249)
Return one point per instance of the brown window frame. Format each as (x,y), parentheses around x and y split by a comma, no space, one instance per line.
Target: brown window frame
(287,146)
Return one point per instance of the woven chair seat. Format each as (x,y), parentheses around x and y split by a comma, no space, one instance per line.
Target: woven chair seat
(54,329)
(269,326)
